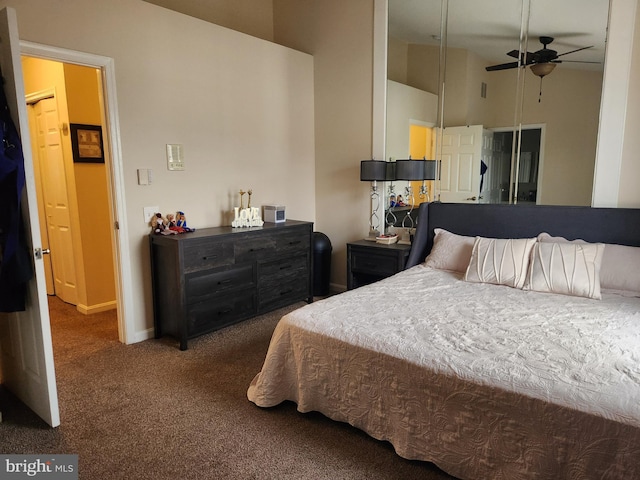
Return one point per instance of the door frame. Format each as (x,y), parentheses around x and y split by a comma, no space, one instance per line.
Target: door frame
(115,174)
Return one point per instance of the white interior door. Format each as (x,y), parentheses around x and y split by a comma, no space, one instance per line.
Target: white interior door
(25,337)
(49,160)
(461,153)
(48,268)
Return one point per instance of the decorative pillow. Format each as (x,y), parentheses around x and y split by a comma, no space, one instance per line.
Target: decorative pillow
(620,268)
(450,251)
(566,268)
(500,261)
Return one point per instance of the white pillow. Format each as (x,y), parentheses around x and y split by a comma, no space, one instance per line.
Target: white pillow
(450,251)
(500,261)
(566,268)
(620,268)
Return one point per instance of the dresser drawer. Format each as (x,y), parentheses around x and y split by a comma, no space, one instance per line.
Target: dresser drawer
(292,242)
(201,285)
(270,273)
(203,254)
(255,247)
(374,263)
(280,293)
(282,282)
(213,314)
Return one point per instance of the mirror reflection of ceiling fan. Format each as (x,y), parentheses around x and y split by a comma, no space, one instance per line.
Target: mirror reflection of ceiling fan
(541,62)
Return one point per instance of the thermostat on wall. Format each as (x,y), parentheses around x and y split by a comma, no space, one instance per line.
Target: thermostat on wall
(274,213)
(175,157)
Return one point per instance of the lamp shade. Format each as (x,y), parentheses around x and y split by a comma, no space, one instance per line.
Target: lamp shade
(391,171)
(410,169)
(430,169)
(373,170)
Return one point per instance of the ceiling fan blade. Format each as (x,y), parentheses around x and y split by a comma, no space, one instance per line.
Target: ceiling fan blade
(576,50)
(515,53)
(502,66)
(578,61)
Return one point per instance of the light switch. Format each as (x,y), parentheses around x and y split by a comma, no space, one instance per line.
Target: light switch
(175,157)
(149,212)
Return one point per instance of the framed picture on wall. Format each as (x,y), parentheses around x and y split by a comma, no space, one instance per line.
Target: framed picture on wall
(86,143)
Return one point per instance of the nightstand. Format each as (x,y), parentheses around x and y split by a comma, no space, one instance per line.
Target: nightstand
(368,262)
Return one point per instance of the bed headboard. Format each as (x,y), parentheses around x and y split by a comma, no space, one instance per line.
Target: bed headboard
(607,225)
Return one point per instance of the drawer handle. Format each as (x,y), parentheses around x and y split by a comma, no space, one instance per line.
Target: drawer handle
(255,249)
(210,258)
(285,267)
(295,242)
(225,311)
(286,292)
(224,282)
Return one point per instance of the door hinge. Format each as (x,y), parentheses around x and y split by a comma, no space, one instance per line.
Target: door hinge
(116,225)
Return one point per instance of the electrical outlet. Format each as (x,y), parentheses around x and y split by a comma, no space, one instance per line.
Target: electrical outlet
(149,212)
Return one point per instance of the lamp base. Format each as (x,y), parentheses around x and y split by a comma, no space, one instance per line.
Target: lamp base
(405,238)
(372,235)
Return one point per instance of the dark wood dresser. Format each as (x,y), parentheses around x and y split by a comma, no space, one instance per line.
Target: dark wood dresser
(214,277)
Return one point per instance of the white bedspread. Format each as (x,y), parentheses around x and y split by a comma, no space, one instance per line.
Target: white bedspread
(485,381)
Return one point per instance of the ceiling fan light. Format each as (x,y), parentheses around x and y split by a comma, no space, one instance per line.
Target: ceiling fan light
(542,69)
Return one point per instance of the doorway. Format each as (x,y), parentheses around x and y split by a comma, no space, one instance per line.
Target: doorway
(114,172)
(525,179)
(71,195)
(72,192)
(421,146)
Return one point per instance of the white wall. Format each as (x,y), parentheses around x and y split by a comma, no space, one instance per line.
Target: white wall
(241,107)
(404,105)
(339,35)
(254,17)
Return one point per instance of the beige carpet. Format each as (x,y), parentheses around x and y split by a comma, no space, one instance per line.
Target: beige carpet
(151,411)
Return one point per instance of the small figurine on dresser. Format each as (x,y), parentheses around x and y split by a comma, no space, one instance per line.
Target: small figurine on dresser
(172,225)
(182,222)
(159,226)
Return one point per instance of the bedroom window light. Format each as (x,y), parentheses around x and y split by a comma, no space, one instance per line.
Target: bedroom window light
(373,171)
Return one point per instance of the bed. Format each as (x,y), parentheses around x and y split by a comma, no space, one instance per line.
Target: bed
(512,352)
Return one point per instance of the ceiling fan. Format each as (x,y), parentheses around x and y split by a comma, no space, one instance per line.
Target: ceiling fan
(542,62)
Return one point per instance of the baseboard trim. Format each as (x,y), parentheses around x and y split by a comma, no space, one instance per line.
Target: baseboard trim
(100,307)
(143,335)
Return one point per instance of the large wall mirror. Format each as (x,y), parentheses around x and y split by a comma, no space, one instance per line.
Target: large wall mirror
(507,134)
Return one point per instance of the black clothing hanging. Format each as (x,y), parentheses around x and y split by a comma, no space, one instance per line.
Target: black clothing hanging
(15,260)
